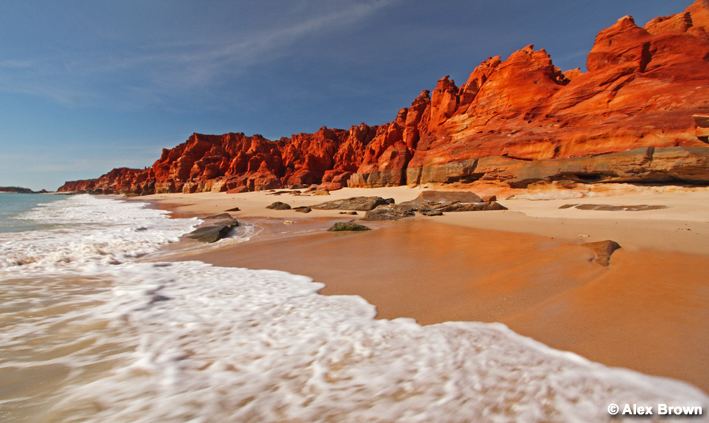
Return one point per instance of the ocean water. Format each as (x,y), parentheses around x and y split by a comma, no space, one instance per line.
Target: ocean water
(93,329)
(13,206)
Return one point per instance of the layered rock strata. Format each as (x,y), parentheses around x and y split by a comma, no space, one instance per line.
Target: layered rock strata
(637,114)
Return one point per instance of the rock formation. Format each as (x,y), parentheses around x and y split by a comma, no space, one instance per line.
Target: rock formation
(603,250)
(389,212)
(121,180)
(279,205)
(434,203)
(354,203)
(637,114)
(214,228)
(348,227)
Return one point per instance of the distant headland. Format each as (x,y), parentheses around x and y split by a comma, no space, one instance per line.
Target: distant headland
(22,190)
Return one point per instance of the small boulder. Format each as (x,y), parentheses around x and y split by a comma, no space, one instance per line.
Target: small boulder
(389,212)
(603,250)
(354,203)
(353,213)
(303,209)
(278,205)
(348,226)
(431,212)
(214,228)
(234,209)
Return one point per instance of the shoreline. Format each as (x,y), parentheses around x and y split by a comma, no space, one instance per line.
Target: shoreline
(545,287)
(681,226)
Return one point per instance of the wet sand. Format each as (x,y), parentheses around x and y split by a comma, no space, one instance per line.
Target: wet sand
(681,225)
(523,267)
(646,311)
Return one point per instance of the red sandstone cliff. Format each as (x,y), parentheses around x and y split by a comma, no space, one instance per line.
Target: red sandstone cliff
(119,180)
(638,114)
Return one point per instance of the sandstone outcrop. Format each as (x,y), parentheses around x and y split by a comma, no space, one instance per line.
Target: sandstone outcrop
(434,203)
(120,180)
(278,205)
(348,227)
(638,113)
(214,228)
(441,198)
(603,250)
(389,212)
(354,203)
(702,123)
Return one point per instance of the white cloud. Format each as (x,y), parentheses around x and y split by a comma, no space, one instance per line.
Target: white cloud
(161,69)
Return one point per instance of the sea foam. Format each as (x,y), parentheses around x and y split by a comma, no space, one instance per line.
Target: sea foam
(207,343)
(87,234)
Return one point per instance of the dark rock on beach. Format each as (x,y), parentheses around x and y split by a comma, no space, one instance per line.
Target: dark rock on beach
(463,207)
(432,213)
(451,201)
(603,250)
(389,212)
(429,198)
(348,227)
(214,228)
(354,203)
(303,209)
(278,205)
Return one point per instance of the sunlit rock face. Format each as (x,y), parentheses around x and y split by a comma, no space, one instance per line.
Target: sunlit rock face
(638,114)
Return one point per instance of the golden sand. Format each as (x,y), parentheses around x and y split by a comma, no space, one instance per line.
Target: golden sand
(647,311)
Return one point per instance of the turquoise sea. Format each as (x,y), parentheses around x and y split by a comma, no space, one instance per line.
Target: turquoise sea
(13,206)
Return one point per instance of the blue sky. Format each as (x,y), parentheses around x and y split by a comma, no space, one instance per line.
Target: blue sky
(89,85)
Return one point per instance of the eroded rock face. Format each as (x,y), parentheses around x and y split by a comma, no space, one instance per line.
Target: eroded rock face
(120,180)
(278,205)
(434,203)
(389,212)
(638,114)
(603,250)
(214,228)
(702,124)
(348,227)
(354,203)
(443,198)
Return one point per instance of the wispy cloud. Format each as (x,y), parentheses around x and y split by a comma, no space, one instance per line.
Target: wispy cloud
(15,64)
(146,73)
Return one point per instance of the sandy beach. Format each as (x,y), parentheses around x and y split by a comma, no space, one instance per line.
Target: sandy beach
(355,211)
(682,224)
(524,267)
